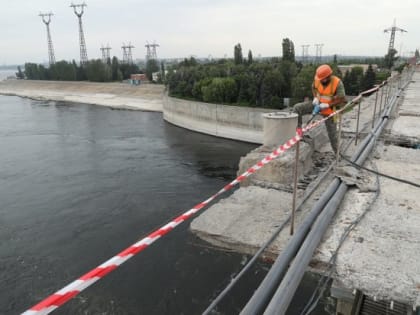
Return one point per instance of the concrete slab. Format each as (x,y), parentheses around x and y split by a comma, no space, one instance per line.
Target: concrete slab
(381,255)
(246,219)
(407,127)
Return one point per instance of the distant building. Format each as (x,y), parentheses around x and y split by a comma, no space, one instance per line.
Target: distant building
(138,78)
(156,76)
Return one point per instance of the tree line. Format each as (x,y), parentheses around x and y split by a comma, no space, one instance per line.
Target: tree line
(94,70)
(243,80)
(260,83)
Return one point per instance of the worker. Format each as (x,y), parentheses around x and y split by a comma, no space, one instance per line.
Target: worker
(328,95)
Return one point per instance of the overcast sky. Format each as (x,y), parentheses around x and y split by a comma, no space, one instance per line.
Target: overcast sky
(207,27)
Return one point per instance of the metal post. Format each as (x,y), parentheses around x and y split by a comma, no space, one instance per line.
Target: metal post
(357,124)
(295,175)
(338,138)
(374,109)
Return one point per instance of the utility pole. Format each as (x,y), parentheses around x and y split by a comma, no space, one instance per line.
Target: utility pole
(318,56)
(105,53)
(46,18)
(79,10)
(392,30)
(305,53)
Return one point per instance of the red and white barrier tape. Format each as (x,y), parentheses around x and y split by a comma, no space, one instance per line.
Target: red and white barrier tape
(68,292)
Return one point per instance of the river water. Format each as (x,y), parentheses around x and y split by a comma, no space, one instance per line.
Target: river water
(80,183)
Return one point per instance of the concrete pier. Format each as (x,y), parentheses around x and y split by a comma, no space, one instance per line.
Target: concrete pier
(380,257)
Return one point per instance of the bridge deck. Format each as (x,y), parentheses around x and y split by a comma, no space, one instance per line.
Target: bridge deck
(381,255)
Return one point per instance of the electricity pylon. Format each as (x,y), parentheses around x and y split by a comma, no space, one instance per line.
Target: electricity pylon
(393,29)
(79,13)
(46,18)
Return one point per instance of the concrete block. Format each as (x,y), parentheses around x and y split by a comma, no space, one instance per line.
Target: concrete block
(279,171)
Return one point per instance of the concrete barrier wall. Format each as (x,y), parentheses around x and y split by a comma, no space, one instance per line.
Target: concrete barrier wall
(232,122)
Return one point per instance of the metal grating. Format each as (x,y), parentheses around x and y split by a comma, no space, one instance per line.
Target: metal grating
(371,307)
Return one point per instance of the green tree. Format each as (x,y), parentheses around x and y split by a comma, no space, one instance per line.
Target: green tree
(43,73)
(128,69)
(271,89)
(352,81)
(31,71)
(301,84)
(289,71)
(63,71)
(390,58)
(220,90)
(250,59)
(162,70)
(97,71)
(115,70)
(369,79)
(288,50)
(20,74)
(80,71)
(152,66)
(237,53)
(191,62)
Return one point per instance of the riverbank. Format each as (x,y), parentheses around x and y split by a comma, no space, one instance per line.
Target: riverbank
(230,122)
(146,97)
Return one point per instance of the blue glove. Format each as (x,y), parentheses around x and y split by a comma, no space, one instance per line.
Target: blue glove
(317,110)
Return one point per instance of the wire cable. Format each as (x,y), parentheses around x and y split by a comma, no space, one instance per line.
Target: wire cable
(401,180)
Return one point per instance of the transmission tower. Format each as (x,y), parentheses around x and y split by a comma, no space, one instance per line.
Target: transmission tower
(393,29)
(318,55)
(305,53)
(127,53)
(79,10)
(151,50)
(46,18)
(105,53)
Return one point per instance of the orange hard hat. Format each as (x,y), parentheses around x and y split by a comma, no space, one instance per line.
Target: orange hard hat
(322,72)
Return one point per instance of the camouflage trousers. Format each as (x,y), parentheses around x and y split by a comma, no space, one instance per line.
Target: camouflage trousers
(306,108)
